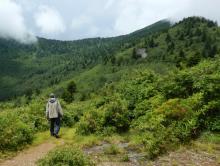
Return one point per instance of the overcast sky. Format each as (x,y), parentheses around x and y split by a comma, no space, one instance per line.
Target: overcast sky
(72,19)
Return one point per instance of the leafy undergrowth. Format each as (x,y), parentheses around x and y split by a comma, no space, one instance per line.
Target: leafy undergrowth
(203,151)
(124,148)
(127,148)
(209,142)
(160,112)
(65,156)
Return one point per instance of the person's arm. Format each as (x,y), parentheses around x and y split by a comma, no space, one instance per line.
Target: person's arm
(60,111)
(47,111)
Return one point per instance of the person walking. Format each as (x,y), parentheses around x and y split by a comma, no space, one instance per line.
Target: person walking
(54,113)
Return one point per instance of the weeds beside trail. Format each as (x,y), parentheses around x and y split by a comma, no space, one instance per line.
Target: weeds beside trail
(114,150)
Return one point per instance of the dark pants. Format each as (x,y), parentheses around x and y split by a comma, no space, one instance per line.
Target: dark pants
(54,126)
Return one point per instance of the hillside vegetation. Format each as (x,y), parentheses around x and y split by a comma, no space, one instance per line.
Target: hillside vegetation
(162,101)
(27,69)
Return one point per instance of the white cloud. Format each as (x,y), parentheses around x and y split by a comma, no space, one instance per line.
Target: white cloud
(136,14)
(109,4)
(108,17)
(81,21)
(205,8)
(12,23)
(86,24)
(49,21)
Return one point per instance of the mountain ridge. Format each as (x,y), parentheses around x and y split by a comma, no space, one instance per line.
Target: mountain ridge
(29,68)
(76,55)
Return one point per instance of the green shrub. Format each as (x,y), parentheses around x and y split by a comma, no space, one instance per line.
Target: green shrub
(70,118)
(91,122)
(116,115)
(148,105)
(164,110)
(210,117)
(14,134)
(65,156)
(108,131)
(172,110)
(177,85)
(112,150)
(172,123)
(111,117)
(34,115)
(125,158)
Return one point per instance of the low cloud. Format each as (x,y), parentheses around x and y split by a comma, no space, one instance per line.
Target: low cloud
(49,21)
(80,24)
(136,14)
(205,8)
(68,20)
(12,24)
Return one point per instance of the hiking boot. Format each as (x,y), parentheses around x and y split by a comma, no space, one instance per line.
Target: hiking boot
(57,136)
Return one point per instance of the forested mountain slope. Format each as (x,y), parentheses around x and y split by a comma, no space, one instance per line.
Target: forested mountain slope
(28,68)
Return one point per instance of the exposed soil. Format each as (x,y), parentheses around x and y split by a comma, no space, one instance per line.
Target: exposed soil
(133,158)
(189,157)
(182,157)
(30,156)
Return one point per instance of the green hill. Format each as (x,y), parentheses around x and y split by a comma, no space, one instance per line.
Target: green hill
(28,68)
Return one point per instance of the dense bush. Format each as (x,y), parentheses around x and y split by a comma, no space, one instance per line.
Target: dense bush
(14,134)
(164,110)
(174,122)
(65,156)
(113,116)
(91,122)
(116,115)
(69,119)
(192,106)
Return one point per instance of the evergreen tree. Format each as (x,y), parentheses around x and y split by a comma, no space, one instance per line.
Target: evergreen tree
(194,59)
(151,43)
(171,47)
(134,54)
(213,51)
(71,87)
(68,94)
(198,32)
(168,38)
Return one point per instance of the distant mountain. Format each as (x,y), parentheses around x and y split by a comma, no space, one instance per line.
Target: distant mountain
(28,68)
(184,44)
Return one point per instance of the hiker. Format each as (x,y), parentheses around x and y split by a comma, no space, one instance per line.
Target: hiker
(54,113)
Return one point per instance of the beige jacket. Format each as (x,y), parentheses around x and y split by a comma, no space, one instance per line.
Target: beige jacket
(53,109)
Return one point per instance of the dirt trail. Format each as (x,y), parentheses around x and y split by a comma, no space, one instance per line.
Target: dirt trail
(30,156)
(183,156)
